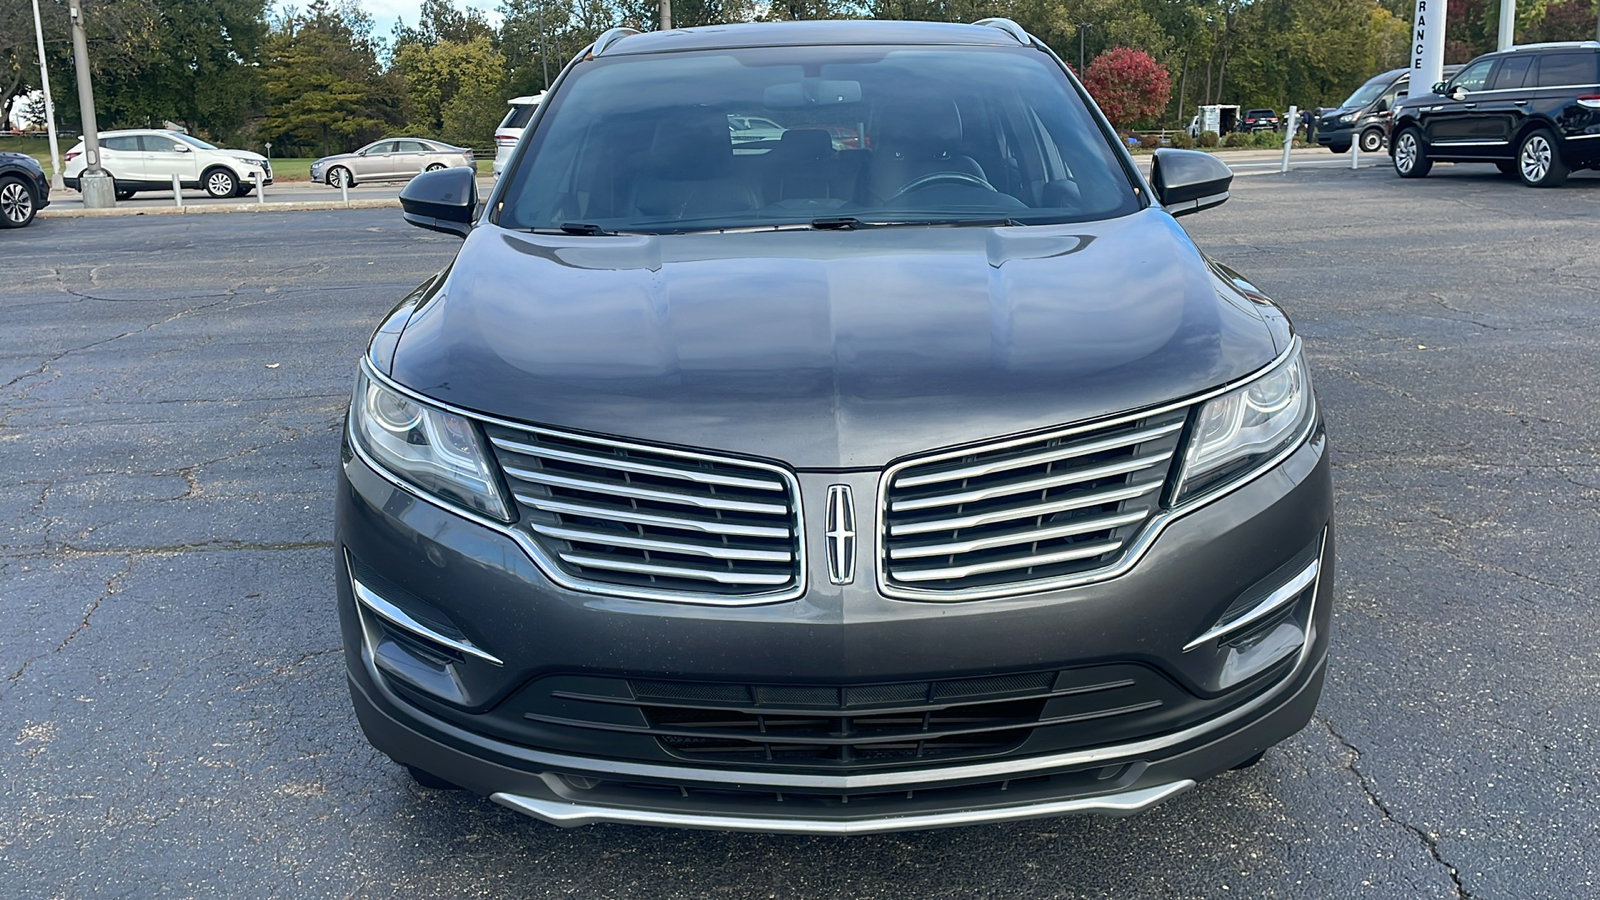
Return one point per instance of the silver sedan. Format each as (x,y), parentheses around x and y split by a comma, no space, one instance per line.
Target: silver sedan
(391,159)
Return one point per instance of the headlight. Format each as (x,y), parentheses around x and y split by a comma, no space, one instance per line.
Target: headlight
(1347,118)
(437,451)
(1241,430)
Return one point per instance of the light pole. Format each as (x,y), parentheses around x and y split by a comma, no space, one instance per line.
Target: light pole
(94,185)
(1508,25)
(666,15)
(544,57)
(49,105)
(1083,28)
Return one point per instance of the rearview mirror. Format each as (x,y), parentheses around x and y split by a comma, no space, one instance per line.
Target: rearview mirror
(442,200)
(811,92)
(1187,181)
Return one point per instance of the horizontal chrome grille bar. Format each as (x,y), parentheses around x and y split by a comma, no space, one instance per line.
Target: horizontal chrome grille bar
(1076,476)
(1080,526)
(1081,501)
(718,576)
(1055,454)
(616,539)
(706,526)
(621,489)
(1083,551)
(621,464)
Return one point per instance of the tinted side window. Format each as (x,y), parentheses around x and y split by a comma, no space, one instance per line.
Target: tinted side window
(127,143)
(1475,76)
(1511,73)
(519,116)
(1557,69)
(410,146)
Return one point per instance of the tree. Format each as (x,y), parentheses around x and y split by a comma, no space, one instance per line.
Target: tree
(323,89)
(457,81)
(1129,85)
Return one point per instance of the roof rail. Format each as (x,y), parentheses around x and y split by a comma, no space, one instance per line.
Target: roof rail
(609,37)
(1009,27)
(1554,45)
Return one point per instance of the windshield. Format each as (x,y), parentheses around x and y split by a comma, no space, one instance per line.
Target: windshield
(193,140)
(1367,92)
(826,136)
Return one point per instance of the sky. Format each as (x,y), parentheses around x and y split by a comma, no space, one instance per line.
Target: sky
(386,12)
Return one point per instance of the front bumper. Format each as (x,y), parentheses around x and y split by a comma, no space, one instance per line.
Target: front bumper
(849,635)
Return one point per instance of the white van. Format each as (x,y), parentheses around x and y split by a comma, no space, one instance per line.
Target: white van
(510,130)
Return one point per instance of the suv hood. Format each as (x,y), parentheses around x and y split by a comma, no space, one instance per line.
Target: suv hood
(830,349)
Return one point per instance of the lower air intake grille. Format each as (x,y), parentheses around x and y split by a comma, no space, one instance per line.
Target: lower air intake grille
(1021,513)
(632,519)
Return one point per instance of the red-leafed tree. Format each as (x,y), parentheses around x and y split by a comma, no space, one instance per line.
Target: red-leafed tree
(1128,85)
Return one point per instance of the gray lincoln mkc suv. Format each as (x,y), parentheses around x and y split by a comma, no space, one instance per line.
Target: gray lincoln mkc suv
(899,463)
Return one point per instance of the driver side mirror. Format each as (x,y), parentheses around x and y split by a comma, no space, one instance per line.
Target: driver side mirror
(1187,181)
(180,148)
(442,200)
(1438,87)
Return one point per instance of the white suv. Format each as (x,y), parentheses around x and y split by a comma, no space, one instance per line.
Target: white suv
(511,128)
(146,160)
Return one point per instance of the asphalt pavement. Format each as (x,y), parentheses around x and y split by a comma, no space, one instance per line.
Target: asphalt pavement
(173,713)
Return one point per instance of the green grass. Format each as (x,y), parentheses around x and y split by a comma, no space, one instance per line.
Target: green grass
(38,148)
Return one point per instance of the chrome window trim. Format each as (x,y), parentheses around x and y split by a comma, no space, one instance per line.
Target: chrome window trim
(1136,546)
(1469,143)
(543,561)
(895,778)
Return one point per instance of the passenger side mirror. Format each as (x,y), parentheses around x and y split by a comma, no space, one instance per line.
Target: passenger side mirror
(443,200)
(1187,181)
(1458,93)
(180,148)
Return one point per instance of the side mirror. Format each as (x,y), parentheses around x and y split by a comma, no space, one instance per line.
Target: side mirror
(1438,87)
(443,200)
(180,148)
(1187,181)
(1458,93)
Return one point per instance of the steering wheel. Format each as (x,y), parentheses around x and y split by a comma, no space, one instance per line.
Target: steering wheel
(917,184)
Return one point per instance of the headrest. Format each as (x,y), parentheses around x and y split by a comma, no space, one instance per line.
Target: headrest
(806,143)
(690,143)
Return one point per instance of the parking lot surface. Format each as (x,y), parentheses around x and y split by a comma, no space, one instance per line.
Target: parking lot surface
(173,713)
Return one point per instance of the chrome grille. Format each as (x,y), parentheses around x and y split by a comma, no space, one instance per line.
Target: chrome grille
(633,519)
(1021,513)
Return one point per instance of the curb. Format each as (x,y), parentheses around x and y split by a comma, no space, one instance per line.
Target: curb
(307,205)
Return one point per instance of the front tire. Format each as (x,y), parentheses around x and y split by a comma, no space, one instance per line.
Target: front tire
(17,204)
(339,176)
(221,183)
(1411,155)
(1539,162)
(244,190)
(1371,140)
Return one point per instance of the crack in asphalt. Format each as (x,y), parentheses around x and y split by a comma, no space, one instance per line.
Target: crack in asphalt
(1430,841)
(111,588)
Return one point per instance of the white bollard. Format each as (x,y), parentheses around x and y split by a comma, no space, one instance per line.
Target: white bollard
(177,192)
(1288,137)
(344,190)
(1355,153)
(261,189)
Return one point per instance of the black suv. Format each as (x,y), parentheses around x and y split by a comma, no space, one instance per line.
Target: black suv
(1260,120)
(24,189)
(1532,110)
(790,484)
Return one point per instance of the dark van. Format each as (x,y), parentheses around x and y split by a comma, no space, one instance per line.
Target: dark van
(1364,115)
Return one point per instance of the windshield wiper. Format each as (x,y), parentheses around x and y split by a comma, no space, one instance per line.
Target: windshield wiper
(586,228)
(846,223)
